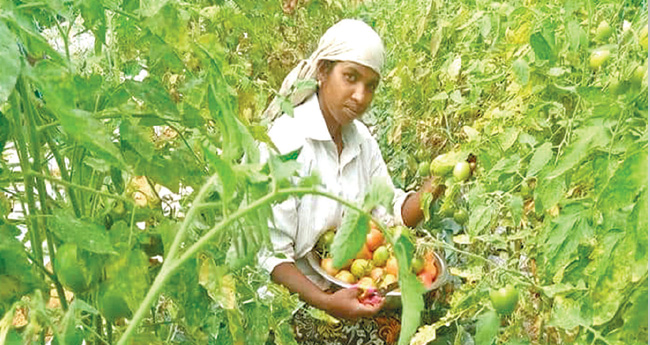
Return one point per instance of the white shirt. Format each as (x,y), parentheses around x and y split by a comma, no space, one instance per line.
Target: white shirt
(299,222)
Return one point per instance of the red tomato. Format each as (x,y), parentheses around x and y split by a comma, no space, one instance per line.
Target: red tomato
(365,253)
(326,264)
(426,278)
(391,266)
(374,239)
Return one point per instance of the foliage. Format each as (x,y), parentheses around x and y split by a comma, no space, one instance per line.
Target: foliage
(129,130)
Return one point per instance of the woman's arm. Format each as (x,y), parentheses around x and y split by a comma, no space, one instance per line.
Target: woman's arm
(411,211)
(342,304)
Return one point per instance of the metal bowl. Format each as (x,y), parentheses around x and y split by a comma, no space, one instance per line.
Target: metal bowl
(393,298)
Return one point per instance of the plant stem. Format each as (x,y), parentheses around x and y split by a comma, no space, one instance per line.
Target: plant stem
(80,187)
(171,263)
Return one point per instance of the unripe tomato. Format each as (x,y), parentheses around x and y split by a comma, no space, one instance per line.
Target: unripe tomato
(461,171)
(447,210)
(374,239)
(380,256)
(361,267)
(111,303)
(346,277)
(377,274)
(417,265)
(460,216)
(327,265)
(70,270)
(598,57)
(325,241)
(638,75)
(603,31)
(388,279)
(643,38)
(423,169)
(504,300)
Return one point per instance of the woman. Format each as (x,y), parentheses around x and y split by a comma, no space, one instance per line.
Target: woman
(333,143)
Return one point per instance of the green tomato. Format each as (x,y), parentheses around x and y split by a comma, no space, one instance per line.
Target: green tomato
(70,270)
(603,31)
(447,210)
(417,264)
(643,37)
(638,75)
(460,216)
(111,303)
(325,241)
(504,300)
(441,165)
(598,58)
(423,169)
(461,171)
(380,256)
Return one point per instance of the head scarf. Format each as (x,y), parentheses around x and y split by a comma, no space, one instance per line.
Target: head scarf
(348,40)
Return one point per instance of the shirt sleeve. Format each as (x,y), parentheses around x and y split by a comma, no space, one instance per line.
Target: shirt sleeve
(379,169)
(283,229)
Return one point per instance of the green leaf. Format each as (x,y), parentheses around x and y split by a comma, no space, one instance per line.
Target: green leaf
(566,314)
(541,157)
(541,47)
(522,72)
(94,20)
(509,137)
(629,178)
(227,180)
(588,139)
(350,237)
(479,219)
(9,62)
(487,327)
(91,133)
(411,288)
(85,234)
(517,209)
(549,192)
(380,193)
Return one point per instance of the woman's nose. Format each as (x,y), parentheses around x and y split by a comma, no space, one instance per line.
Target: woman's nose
(360,94)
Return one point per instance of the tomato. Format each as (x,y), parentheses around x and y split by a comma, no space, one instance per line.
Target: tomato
(638,75)
(423,169)
(417,265)
(367,287)
(460,216)
(603,31)
(504,300)
(391,266)
(461,171)
(327,265)
(374,239)
(380,256)
(111,303)
(643,38)
(441,165)
(388,279)
(346,277)
(364,253)
(447,210)
(377,274)
(361,267)
(426,278)
(430,264)
(325,241)
(598,58)
(70,270)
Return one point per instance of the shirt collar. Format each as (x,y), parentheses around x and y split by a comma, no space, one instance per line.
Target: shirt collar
(316,128)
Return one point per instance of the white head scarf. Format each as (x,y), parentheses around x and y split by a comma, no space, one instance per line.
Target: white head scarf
(348,40)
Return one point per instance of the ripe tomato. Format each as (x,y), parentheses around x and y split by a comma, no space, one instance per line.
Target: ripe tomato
(504,300)
(374,239)
(430,264)
(391,266)
(426,278)
(461,171)
(380,255)
(327,265)
(364,253)
(346,277)
(377,274)
(598,57)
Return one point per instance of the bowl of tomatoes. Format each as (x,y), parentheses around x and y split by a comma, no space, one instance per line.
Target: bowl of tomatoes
(375,267)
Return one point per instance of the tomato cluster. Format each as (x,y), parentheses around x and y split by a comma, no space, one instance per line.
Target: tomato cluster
(375,265)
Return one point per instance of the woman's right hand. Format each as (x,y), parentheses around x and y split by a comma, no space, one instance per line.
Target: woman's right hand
(345,304)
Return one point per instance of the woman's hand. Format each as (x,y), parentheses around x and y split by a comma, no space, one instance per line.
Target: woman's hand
(345,304)
(411,211)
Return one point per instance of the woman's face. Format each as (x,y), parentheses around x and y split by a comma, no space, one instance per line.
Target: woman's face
(346,90)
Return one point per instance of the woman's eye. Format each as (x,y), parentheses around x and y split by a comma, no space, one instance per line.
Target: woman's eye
(350,77)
